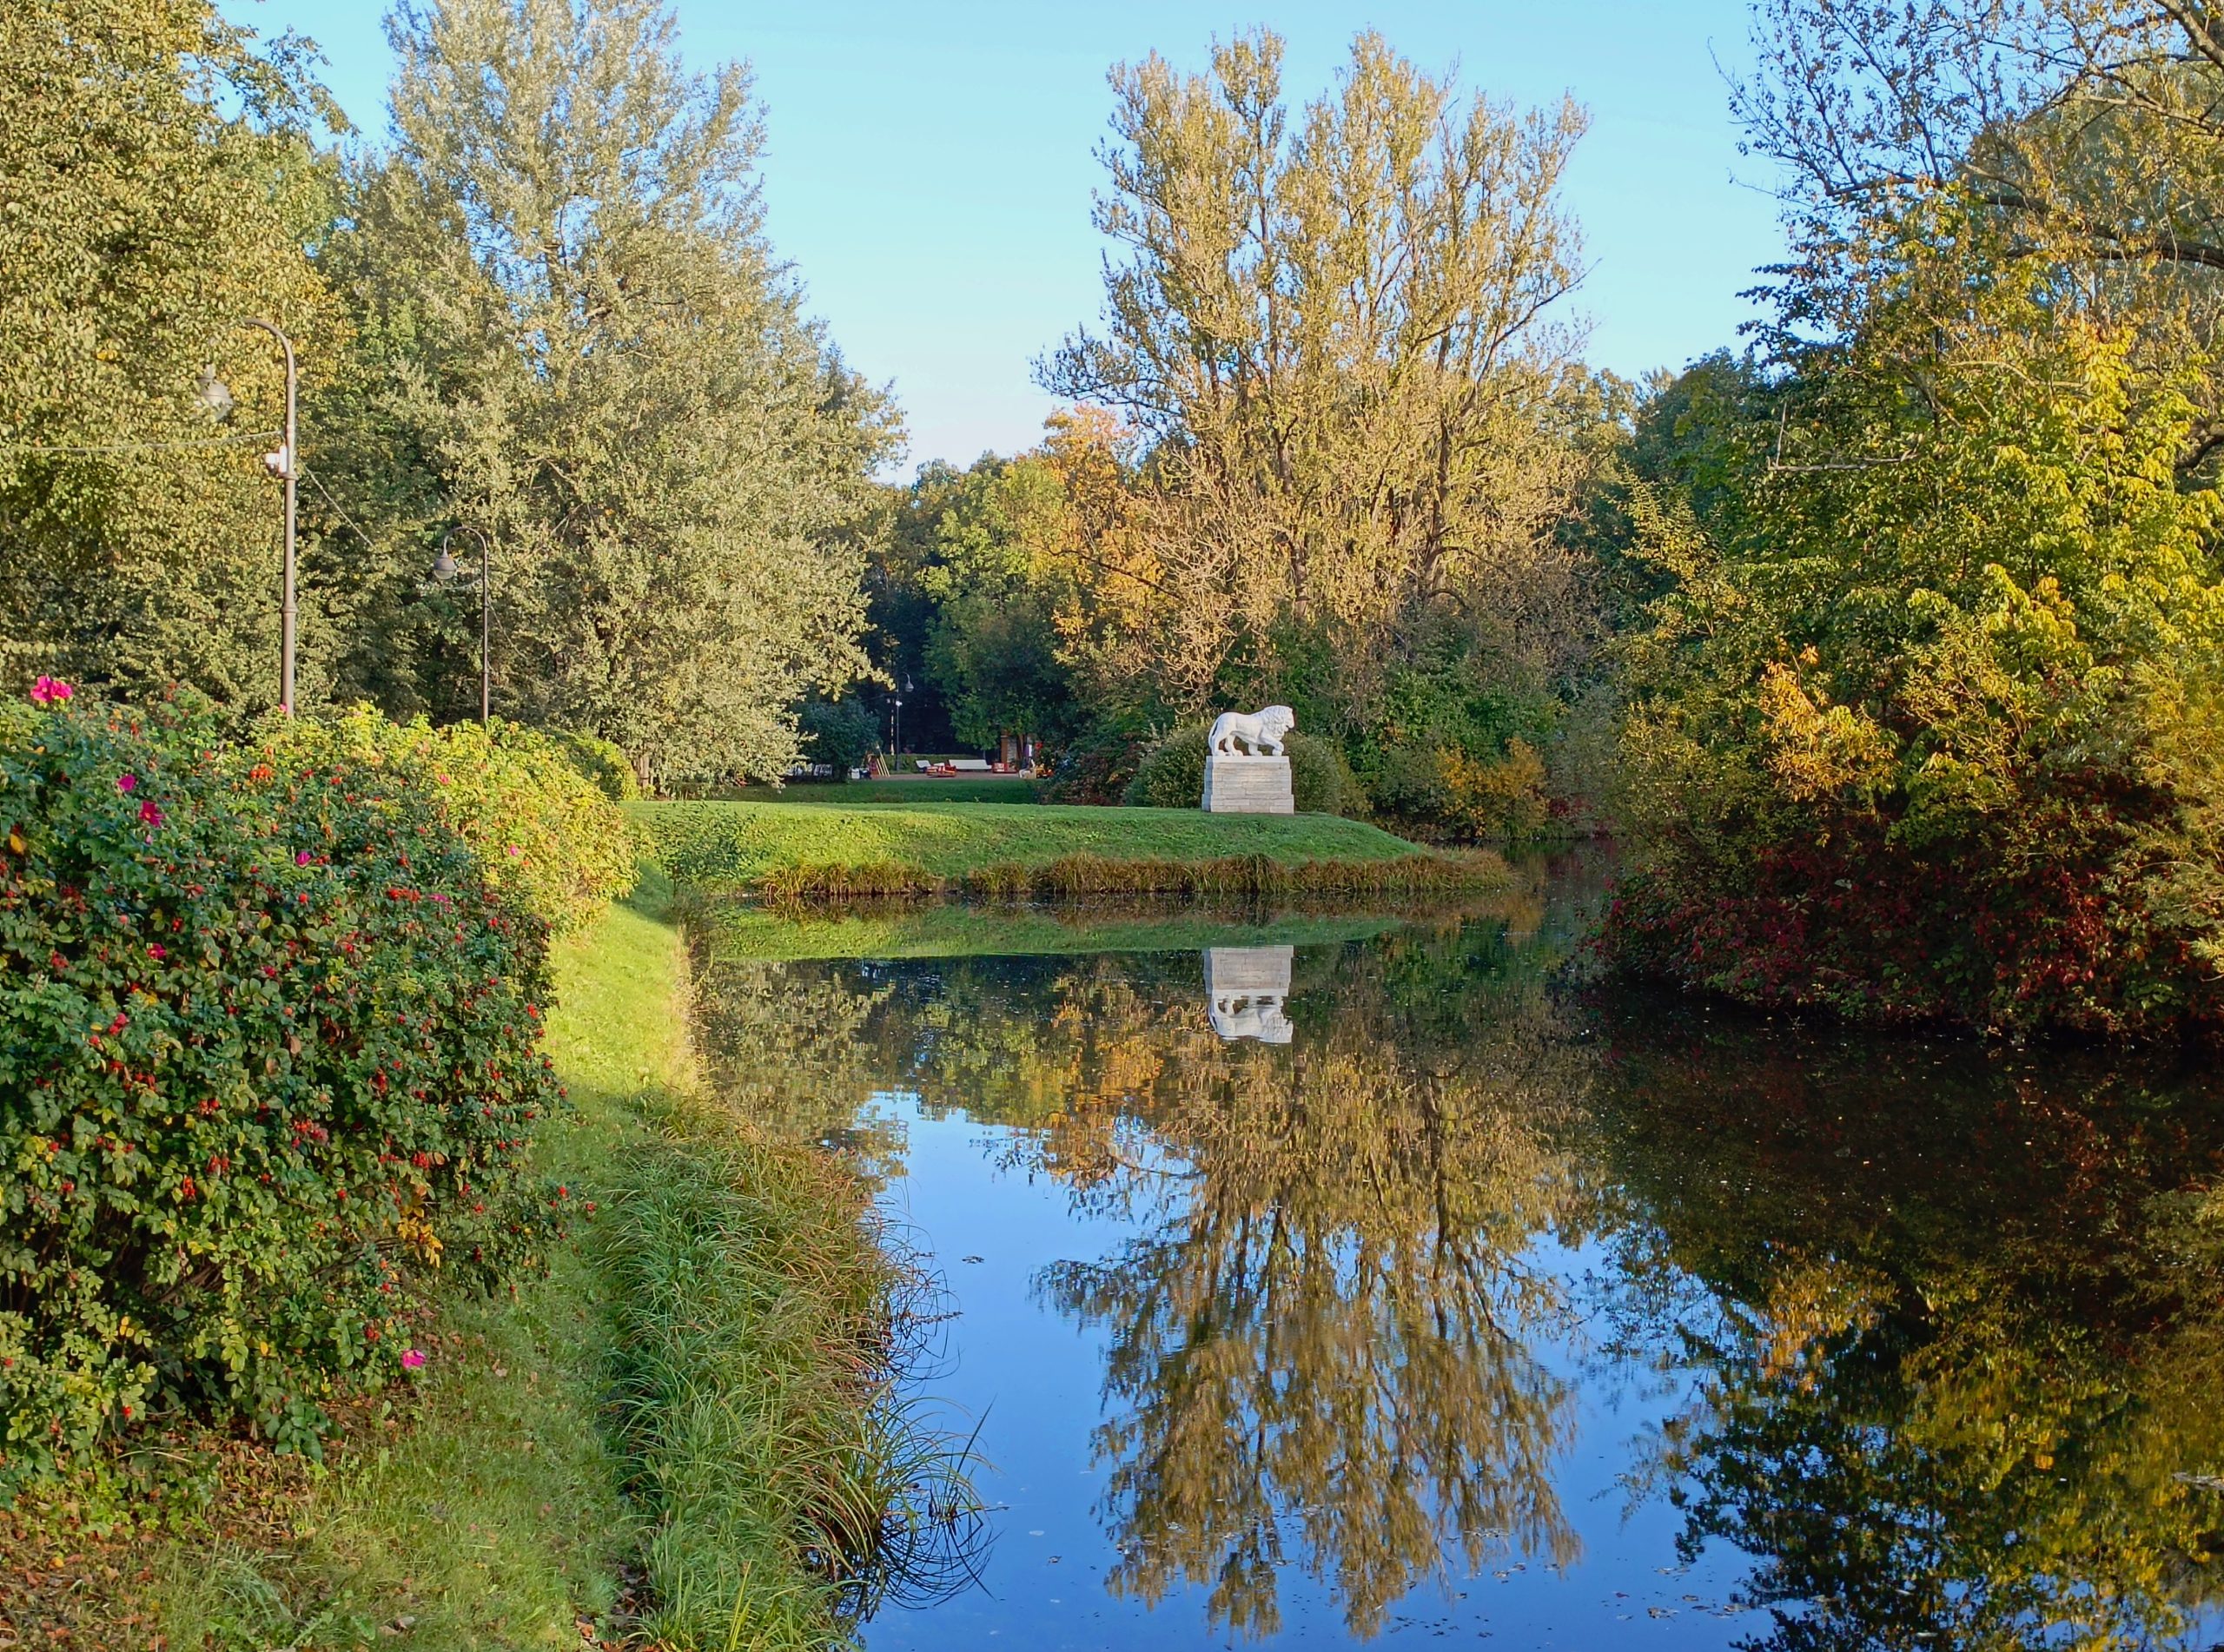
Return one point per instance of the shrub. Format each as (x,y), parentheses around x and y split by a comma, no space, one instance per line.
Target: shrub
(1503,800)
(838,732)
(268,1065)
(1407,785)
(1172,774)
(1095,769)
(550,840)
(603,762)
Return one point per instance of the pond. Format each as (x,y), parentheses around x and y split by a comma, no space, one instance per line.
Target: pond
(1329,1281)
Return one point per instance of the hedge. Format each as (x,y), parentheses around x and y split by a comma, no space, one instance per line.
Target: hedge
(269,1067)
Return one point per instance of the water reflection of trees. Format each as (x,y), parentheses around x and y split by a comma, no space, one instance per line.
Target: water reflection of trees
(1959,1359)
(797,1051)
(1320,1334)
(1952,1322)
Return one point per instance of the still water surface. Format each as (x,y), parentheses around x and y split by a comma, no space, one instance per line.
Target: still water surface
(1358,1281)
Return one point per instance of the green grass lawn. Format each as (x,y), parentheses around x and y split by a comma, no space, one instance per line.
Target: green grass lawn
(927,847)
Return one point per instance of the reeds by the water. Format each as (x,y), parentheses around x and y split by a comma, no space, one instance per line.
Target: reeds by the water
(762,1334)
(1082,877)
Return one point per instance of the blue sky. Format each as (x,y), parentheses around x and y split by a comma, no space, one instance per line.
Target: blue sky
(930,161)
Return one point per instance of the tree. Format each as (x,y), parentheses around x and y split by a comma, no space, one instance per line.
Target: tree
(159,186)
(993,644)
(1919,725)
(1330,334)
(583,337)
(1004,586)
(1924,718)
(838,733)
(2084,134)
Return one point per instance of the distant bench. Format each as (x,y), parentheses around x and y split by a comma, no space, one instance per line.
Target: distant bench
(957,765)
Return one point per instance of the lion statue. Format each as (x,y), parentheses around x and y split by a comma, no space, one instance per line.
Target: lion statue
(1262,734)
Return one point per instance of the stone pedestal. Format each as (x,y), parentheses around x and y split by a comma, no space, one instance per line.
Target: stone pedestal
(1248,785)
(1246,989)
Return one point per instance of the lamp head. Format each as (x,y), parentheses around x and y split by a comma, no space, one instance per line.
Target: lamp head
(214,394)
(444,565)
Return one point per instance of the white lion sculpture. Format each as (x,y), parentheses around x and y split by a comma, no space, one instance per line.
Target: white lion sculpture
(1262,734)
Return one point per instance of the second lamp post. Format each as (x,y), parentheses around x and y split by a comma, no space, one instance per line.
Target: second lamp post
(444,572)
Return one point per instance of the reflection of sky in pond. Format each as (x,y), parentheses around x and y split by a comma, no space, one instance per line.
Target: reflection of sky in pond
(1478,1309)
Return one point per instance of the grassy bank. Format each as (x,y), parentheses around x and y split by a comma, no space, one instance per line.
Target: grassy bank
(726,1292)
(1038,851)
(750,1303)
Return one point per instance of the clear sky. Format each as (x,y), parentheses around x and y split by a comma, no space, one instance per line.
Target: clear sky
(929,163)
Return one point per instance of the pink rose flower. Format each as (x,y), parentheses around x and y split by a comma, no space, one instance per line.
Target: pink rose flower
(150,815)
(413,1360)
(127,782)
(50,691)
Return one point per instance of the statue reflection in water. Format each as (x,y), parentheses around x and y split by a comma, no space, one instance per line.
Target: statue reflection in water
(1247,992)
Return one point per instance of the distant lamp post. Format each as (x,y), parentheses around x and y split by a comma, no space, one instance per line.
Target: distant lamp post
(445,572)
(217,396)
(896,730)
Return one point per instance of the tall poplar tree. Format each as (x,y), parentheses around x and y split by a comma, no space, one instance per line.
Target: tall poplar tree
(1332,327)
(577,332)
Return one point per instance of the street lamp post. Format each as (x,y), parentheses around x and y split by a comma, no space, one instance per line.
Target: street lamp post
(896,730)
(444,570)
(284,465)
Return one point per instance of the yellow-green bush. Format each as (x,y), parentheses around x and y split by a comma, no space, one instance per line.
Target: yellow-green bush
(602,761)
(1498,800)
(550,840)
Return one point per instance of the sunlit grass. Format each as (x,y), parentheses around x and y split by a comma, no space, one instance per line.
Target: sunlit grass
(806,850)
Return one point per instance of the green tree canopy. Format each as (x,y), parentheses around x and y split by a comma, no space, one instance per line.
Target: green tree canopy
(579,332)
(159,189)
(993,644)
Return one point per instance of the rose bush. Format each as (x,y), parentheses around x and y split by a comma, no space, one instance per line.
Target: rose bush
(548,834)
(268,1066)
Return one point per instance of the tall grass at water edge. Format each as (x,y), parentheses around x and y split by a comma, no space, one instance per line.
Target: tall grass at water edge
(761,1323)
